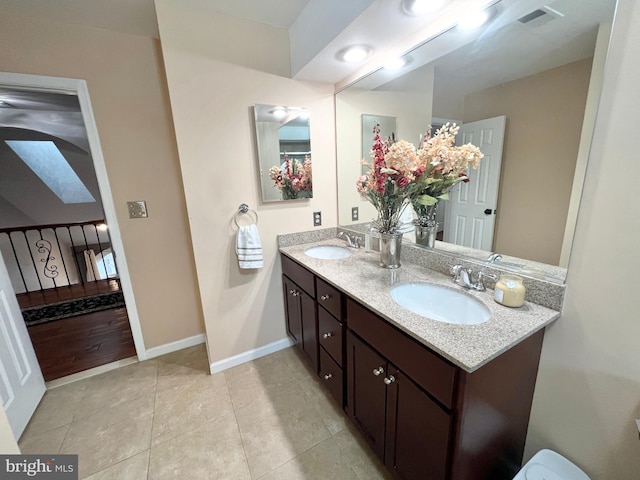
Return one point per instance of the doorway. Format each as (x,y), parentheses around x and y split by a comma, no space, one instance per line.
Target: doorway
(77,90)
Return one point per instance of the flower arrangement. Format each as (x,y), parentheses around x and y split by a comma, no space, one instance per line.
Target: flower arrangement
(387,180)
(293,178)
(400,174)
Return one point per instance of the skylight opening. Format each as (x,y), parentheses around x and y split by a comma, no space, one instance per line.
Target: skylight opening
(48,163)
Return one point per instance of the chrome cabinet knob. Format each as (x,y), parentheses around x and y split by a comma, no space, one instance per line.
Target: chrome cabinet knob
(325,297)
(327,376)
(327,335)
(295,293)
(378,371)
(389,380)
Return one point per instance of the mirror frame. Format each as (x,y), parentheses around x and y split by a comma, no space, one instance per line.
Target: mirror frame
(594,91)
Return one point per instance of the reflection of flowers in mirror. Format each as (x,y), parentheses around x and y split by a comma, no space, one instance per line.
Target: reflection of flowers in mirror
(293,178)
(402,174)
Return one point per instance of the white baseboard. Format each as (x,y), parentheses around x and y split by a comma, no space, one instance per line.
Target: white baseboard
(221,365)
(175,346)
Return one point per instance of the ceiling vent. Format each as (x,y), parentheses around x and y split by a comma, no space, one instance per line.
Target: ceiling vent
(540,17)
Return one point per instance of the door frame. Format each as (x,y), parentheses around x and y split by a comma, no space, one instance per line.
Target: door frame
(79,87)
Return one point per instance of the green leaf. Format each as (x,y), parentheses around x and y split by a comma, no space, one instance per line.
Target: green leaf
(426,200)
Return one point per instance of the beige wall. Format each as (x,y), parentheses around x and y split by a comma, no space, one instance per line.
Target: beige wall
(128,94)
(411,111)
(544,122)
(212,101)
(588,390)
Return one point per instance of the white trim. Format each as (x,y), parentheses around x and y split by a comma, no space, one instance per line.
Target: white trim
(79,88)
(175,346)
(221,365)
(58,382)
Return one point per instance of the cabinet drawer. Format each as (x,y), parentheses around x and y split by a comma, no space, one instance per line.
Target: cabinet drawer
(329,298)
(331,376)
(330,335)
(431,372)
(299,274)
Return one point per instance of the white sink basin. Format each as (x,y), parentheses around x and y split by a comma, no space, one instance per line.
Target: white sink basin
(440,303)
(328,252)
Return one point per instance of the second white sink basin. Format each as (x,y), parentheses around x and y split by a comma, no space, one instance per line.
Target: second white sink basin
(440,303)
(328,252)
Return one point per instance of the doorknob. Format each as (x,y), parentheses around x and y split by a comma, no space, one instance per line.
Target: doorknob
(488,211)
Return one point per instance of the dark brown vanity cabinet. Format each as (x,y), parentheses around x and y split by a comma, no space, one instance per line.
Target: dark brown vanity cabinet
(425,417)
(299,290)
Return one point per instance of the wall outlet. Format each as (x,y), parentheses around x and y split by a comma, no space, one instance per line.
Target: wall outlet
(137,209)
(354,214)
(317,219)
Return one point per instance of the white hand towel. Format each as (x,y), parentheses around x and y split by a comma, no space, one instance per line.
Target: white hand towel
(249,247)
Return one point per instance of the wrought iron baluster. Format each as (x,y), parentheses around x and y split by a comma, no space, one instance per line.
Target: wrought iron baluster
(15,255)
(64,264)
(33,260)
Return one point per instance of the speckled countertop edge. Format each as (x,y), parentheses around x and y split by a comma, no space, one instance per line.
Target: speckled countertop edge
(467,346)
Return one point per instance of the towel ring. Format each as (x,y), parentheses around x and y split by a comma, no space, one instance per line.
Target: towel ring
(244,208)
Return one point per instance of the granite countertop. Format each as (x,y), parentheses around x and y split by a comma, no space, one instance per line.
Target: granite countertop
(467,346)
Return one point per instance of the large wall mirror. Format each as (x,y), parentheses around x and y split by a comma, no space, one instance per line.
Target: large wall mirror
(540,65)
(284,152)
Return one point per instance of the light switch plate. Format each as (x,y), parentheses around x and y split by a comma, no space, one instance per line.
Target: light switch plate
(354,214)
(317,219)
(137,209)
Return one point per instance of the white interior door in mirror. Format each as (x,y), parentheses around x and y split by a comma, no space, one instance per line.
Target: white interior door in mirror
(21,382)
(470,215)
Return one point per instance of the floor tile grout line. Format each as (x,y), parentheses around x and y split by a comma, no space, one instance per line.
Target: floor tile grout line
(233,408)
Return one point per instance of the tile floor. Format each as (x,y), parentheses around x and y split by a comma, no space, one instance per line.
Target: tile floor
(168,418)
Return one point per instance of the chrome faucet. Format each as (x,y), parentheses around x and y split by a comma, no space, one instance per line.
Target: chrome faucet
(494,258)
(352,240)
(463,276)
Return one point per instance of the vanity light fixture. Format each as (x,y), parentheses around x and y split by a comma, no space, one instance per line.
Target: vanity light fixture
(354,53)
(422,7)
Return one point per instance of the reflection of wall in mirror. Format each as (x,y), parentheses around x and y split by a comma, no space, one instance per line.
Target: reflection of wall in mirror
(544,122)
(268,148)
(412,110)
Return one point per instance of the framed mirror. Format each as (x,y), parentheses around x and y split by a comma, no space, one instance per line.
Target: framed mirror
(540,64)
(284,152)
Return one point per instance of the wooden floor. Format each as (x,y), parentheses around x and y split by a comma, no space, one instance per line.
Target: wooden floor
(70,292)
(74,344)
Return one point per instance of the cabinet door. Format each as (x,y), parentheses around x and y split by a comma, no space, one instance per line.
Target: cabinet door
(309,328)
(292,310)
(417,438)
(366,391)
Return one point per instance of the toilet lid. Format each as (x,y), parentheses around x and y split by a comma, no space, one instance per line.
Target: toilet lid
(540,472)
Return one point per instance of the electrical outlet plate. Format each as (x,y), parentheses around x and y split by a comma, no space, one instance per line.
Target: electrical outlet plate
(137,209)
(317,219)
(354,214)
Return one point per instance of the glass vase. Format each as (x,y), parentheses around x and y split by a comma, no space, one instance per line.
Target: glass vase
(390,245)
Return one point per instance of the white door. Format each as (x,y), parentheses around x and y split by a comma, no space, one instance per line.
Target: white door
(21,381)
(471,209)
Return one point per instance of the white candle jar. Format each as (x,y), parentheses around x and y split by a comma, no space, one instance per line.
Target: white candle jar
(509,291)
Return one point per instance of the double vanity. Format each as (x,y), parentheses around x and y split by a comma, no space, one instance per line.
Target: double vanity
(435,398)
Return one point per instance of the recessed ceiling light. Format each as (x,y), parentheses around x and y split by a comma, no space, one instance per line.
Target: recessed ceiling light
(422,7)
(278,112)
(354,53)
(474,19)
(398,63)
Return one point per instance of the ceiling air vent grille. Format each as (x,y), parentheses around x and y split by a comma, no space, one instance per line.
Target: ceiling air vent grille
(532,16)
